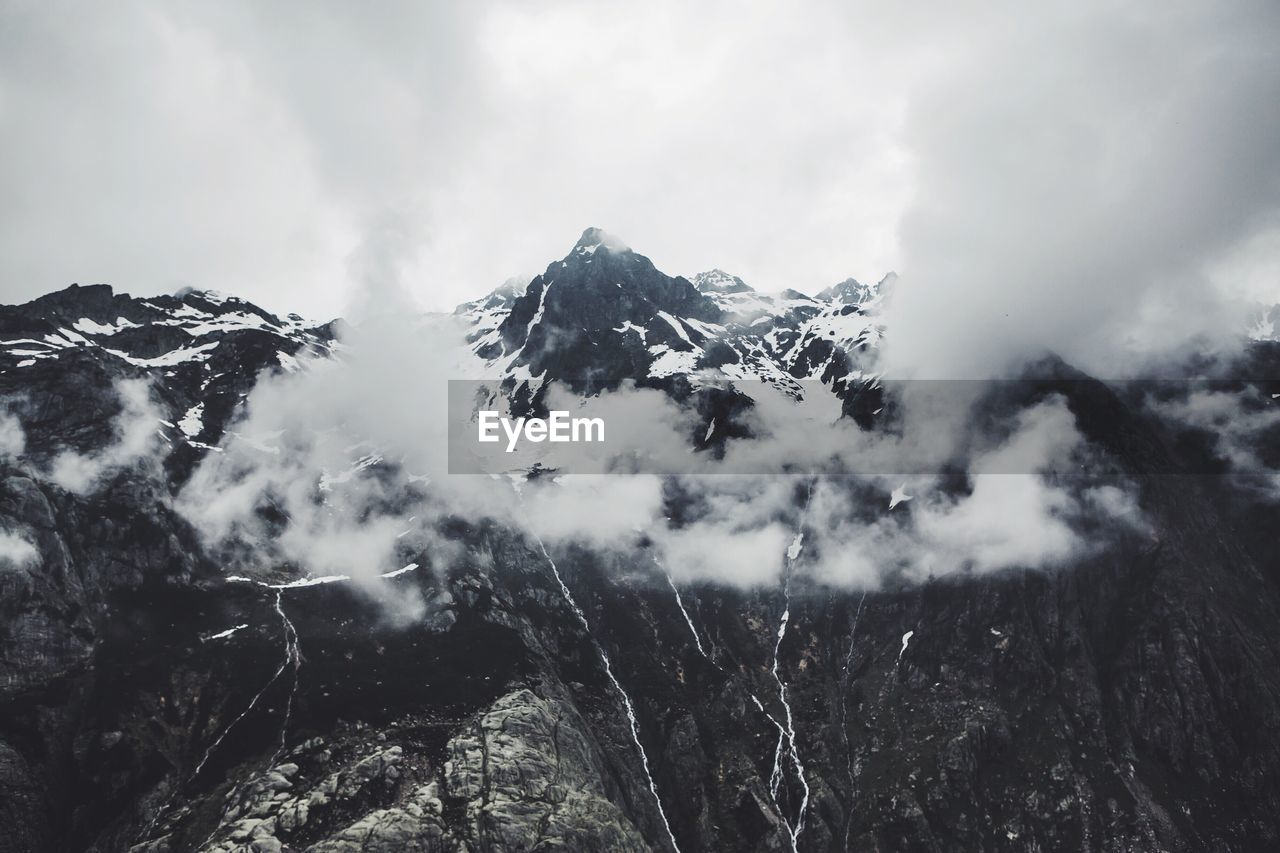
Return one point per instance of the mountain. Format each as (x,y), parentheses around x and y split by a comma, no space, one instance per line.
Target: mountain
(1265,324)
(604,313)
(580,697)
(204,349)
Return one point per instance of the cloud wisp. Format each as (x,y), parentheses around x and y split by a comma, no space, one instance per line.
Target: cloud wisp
(135,440)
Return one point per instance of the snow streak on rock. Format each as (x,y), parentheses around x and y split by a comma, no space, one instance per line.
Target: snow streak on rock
(776,776)
(787,732)
(687,619)
(906,638)
(293,657)
(626,699)
(782,731)
(844,717)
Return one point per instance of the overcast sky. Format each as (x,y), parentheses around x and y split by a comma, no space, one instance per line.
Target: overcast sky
(284,151)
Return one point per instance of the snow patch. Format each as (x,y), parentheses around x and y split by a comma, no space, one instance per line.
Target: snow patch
(193,421)
(797,545)
(398,572)
(675,324)
(91,327)
(222,635)
(670,362)
(305,582)
(178,356)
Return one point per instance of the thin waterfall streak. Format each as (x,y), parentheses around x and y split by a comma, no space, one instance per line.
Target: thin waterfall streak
(844,718)
(626,699)
(295,656)
(793,552)
(697,641)
(288,658)
(775,776)
(290,650)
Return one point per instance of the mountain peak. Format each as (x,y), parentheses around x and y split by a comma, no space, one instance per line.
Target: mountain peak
(853,292)
(500,298)
(719,281)
(593,238)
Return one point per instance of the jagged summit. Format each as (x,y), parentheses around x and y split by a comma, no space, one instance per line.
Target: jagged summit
(853,292)
(719,281)
(208,345)
(595,238)
(613,315)
(102,304)
(498,299)
(578,316)
(850,291)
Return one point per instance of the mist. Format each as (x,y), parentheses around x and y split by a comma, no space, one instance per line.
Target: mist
(136,440)
(1105,203)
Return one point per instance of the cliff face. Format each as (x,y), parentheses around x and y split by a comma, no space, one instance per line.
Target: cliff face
(577,699)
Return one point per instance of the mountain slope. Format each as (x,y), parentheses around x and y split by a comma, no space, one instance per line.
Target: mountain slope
(582,697)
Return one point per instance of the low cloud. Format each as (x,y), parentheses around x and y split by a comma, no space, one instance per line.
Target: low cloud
(16,551)
(726,554)
(13,441)
(605,511)
(135,438)
(1011,514)
(342,468)
(1238,425)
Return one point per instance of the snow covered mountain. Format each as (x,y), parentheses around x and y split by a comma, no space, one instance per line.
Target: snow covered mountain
(1265,325)
(205,349)
(604,313)
(161,332)
(575,697)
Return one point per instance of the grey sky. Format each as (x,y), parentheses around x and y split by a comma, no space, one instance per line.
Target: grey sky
(257,148)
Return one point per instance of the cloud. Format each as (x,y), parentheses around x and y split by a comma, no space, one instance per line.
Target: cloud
(601,510)
(13,440)
(1239,426)
(708,553)
(1009,516)
(135,438)
(341,467)
(245,148)
(16,551)
(1074,176)
(1083,176)
(1010,513)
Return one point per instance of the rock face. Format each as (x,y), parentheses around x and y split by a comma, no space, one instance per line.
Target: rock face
(530,776)
(1130,701)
